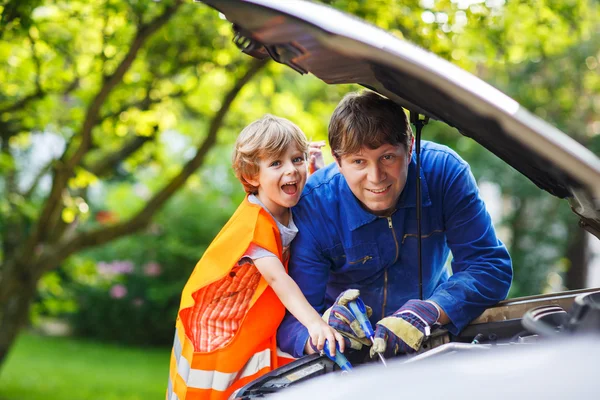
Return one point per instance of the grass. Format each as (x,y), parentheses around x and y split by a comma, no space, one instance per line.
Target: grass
(52,368)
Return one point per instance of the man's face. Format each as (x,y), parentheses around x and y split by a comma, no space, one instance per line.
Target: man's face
(377,177)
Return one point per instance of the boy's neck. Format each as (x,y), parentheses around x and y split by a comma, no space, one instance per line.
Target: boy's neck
(283,219)
(283,216)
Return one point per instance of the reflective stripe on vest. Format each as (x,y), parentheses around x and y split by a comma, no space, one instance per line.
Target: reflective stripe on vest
(170,394)
(215,380)
(283,354)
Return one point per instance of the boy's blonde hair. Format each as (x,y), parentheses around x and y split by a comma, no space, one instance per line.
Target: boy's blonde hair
(268,137)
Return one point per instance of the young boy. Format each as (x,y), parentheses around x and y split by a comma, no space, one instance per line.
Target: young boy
(236,296)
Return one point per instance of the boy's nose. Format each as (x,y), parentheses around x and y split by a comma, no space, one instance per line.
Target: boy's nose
(290,168)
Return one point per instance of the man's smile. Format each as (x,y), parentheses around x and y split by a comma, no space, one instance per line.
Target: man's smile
(380,191)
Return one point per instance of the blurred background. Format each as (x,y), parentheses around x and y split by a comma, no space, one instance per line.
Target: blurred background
(117,119)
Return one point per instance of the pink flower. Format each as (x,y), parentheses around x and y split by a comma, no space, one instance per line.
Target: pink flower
(122,267)
(103,268)
(115,268)
(152,269)
(118,291)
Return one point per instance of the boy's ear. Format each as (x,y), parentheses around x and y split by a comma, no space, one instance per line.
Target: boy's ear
(251,180)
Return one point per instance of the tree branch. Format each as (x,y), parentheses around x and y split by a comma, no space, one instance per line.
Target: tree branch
(13,228)
(143,34)
(37,178)
(23,102)
(103,167)
(65,167)
(109,163)
(38,93)
(68,246)
(11,186)
(143,104)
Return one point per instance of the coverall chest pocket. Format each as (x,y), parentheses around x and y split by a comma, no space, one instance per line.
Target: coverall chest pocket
(360,257)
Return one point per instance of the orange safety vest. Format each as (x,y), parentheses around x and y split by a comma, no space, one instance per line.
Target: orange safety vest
(228,317)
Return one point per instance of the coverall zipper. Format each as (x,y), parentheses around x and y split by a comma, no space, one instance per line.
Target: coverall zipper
(361,261)
(385,273)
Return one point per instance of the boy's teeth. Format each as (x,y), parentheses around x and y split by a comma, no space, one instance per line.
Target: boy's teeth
(289,188)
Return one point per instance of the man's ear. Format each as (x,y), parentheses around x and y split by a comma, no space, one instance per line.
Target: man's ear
(337,159)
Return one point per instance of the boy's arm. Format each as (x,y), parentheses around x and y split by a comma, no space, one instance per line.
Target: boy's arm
(287,290)
(292,298)
(309,269)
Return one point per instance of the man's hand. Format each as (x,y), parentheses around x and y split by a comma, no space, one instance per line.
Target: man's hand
(404,331)
(342,320)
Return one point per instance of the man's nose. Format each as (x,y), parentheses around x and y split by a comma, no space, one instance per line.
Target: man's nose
(376,174)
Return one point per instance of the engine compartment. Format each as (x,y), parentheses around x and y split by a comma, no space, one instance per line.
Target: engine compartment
(511,323)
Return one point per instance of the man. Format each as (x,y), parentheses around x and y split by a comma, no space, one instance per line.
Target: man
(358,230)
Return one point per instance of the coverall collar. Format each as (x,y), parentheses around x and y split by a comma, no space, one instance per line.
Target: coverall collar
(358,216)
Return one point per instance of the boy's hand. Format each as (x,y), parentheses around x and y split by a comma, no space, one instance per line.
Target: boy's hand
(315,156)
(319,331)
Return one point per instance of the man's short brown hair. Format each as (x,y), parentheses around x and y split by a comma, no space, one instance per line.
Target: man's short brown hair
(268,137)
(367,119)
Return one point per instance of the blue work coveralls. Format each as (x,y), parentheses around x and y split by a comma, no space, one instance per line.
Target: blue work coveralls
(341,246)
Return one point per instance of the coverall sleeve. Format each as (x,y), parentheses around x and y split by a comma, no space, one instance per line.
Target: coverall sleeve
(310,269)
(481,265)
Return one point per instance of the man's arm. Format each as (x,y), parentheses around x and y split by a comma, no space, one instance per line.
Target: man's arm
(310,270)
(481,265)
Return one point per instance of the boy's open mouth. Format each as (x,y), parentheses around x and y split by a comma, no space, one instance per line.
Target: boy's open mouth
(290,188)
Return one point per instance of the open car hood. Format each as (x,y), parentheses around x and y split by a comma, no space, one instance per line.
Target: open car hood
(342,49)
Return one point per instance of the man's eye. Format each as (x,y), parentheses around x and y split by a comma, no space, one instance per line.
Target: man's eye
(388,159)
(275,164)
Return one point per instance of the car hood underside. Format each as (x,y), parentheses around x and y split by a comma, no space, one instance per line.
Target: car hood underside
(341,49)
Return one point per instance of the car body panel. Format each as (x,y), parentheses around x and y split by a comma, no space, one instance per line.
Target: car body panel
(554,369)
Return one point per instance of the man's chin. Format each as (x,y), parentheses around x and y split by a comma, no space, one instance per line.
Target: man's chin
(379,209)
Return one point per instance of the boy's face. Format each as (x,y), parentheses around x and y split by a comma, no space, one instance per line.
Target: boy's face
(377,177)
(280,180)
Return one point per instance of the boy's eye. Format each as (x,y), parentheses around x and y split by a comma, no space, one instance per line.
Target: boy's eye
(275,163)
(298,160)
(357,162)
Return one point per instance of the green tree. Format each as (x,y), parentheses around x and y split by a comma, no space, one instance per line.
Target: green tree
(108,79)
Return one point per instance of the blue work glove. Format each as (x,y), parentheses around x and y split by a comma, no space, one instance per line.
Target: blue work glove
(404,330)
(340,318)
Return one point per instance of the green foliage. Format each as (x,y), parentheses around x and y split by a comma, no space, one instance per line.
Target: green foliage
(129,291)
(46,368)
